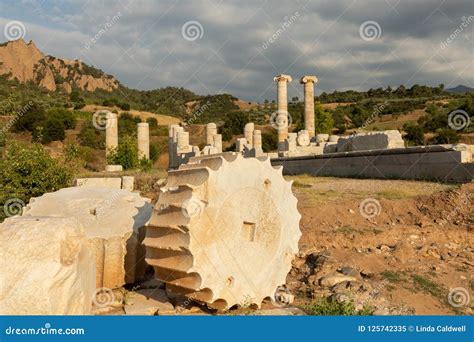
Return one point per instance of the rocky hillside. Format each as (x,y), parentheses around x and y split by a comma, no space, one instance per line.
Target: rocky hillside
(25,62)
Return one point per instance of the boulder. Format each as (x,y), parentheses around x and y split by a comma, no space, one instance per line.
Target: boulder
(46,267)
(113,220)
(331,280)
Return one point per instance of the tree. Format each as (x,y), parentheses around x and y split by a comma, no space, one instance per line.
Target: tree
(53,130)
(323,120)
(126,154)
(31,116)
(414,134)
(29,171)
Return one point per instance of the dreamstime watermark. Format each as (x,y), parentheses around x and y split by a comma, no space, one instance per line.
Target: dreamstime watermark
(46,330)
(192,30)
(458,120)
(377,110)
(370,30)
(103,296)
(459,297)
(370,208)
(202,109)
(288,21)
(22,111)
(281,119)
(110,22)
(103,119)
(14,30)
(13,207)
(465,23)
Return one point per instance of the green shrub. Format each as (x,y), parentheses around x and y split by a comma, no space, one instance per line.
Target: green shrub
(124,106)
(153,152)
(152,122)
(32,116)
(126,154)
(29,171)
(53,130)
(270,141)
(328,307)
(91,137)
(445,136)
(127,124)
(414,134)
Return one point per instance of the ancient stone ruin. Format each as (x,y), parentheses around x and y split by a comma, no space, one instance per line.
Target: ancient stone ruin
(47,267)
(114,225)
(111,139)
(224,231)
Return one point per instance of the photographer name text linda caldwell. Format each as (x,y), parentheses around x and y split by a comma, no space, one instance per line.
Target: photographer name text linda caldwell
(440,328)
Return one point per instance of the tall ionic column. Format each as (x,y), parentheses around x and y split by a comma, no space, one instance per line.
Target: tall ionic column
(211,130)
(143,136)
(309,82)
(111,132)
(281,119)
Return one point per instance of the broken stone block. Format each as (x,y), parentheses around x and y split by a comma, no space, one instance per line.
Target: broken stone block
(46,267)
(128,183)
(371,141)
(113,220)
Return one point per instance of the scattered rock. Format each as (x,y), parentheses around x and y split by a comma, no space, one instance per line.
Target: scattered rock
(331,280)
(349,271)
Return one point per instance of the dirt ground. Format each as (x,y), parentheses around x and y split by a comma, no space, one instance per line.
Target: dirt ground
(406,243)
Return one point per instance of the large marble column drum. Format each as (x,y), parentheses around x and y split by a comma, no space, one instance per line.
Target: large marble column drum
(281,119)
(111,132)
(308,82)
(143,136)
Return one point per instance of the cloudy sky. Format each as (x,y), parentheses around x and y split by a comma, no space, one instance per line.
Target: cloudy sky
(238,46)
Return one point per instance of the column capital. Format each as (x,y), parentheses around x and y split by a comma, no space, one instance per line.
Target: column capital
(282,77)
(306,79)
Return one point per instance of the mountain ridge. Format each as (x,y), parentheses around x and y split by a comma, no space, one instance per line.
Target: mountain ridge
(26,63)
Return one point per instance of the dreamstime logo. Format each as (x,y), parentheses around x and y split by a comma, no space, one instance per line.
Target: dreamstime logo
(370,208)
(13,206)
(192,30)
(459,297)
(458,120)
(192,207)
(280,119)
(103,119)
(370,30)
(103,297)
(14,30)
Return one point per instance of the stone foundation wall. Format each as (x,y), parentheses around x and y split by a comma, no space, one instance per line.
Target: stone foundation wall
(437,163)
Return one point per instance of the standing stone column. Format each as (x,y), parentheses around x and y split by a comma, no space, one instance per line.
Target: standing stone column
(309,82)
(211,130)
(248,133)
(218,143)
(257,140)
(281,119)
(111,132)
(143,136)
(183,140)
